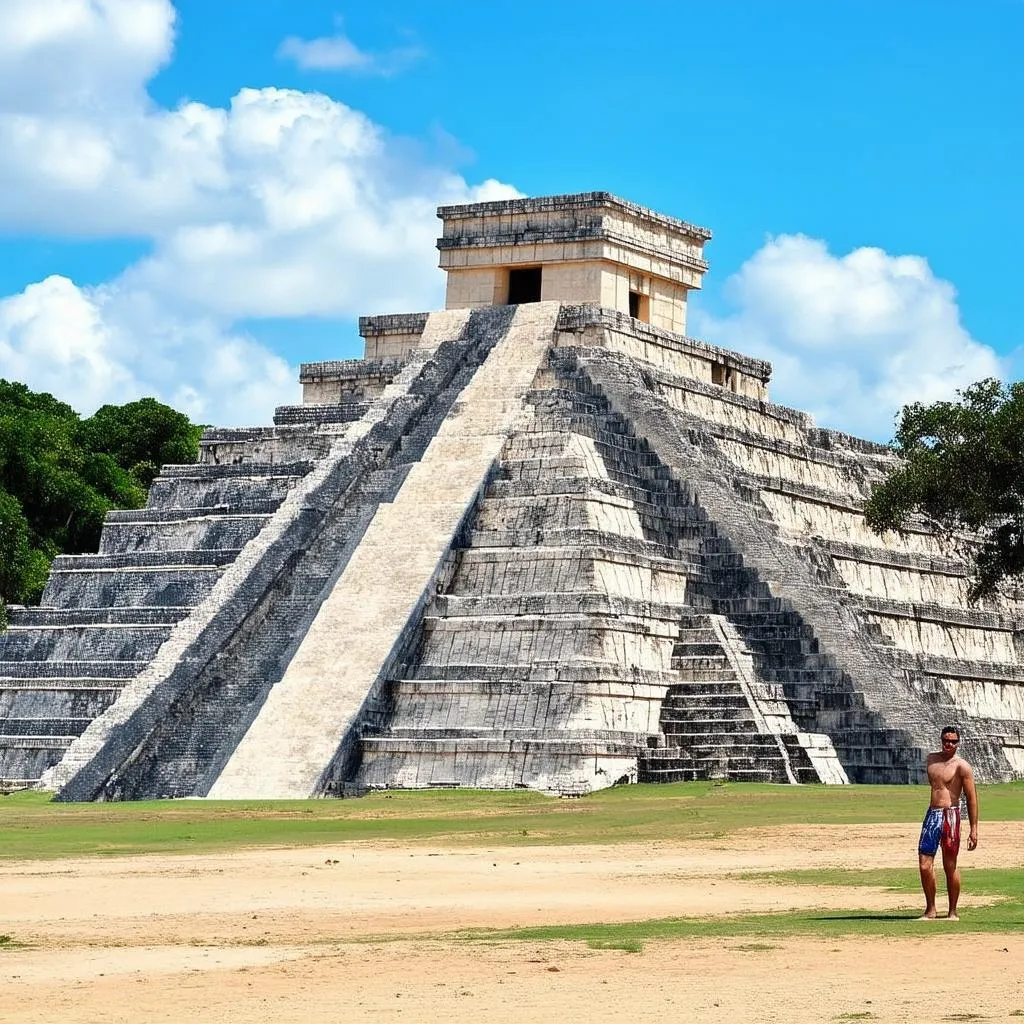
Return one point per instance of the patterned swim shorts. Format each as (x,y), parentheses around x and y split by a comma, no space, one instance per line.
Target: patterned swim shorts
(941,825)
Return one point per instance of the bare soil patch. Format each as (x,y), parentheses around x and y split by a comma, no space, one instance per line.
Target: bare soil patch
(287,935)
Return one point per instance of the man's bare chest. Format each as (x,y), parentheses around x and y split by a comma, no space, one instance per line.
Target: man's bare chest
(943,774)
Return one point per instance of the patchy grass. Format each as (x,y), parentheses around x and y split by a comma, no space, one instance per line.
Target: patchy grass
(34,827)
(1005,914)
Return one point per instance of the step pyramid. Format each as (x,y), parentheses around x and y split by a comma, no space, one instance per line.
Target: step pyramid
(555,544)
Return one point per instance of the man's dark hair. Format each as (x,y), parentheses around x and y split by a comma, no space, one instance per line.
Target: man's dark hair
(948,729)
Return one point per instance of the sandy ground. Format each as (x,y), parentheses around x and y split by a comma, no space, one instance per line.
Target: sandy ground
(299,935)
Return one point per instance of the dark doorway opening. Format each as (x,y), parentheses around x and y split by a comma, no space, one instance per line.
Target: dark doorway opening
(639,306)
(524,285)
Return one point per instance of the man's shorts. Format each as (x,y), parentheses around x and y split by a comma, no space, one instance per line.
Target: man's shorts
(941,826)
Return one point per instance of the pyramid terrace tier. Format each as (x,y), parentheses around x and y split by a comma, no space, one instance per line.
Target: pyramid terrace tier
(547,544)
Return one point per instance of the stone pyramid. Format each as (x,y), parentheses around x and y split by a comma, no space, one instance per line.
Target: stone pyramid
(538,539)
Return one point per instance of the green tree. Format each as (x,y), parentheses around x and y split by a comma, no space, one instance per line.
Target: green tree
(142,436)
(60,475)
(962,468)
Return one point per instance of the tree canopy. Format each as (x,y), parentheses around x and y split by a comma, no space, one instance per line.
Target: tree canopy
(60,474)
(963,469)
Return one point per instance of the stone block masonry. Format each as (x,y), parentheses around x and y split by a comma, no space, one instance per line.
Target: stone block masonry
(539,539)
(310,717)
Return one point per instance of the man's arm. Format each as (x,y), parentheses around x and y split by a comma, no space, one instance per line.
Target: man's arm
(971,792)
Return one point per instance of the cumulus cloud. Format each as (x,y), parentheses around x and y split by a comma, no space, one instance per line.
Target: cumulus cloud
(339,53)
(283,204)
(97,345)
(60,55)
(852,338)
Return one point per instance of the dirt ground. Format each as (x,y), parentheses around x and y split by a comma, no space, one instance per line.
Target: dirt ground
(311,934)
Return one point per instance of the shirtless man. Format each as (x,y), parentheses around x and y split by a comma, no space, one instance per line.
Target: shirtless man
(949,775)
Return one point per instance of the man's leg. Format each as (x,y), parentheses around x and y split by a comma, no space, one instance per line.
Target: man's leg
(952,881)
(927,867)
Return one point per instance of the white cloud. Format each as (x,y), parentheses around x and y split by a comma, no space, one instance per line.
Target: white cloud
(91,346)
(339,53)
(284,204)
(852,338)
(65,54)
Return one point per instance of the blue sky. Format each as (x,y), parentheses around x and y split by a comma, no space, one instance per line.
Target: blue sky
(196,197)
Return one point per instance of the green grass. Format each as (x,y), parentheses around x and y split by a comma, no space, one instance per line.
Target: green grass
(1006,914)
(34,827)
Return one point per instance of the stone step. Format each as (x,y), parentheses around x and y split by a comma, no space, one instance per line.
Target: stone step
(48,727)
(648,773)
(441,693)
(575,537)
(685,664)
(645,499)
(578,602)
(520,735)
(725,730)
(550,745)
(216,532)
(731,607)
(704,676)
(168,586)
(45,617)
(958,668)
(491,571)
(313,413)
(24,758)
(153,516)
(767,619)
(593,623)
(70,670)
(239,493)
(751,757)
(593,671)
(706,716)
(205,471)
(35,700)
(691,649)
(104,642)
(18,741)
(696,634)
(736,746)
(781,647)
(143,560)
(769,631)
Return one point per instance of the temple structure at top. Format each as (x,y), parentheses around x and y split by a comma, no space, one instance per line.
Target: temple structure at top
(591,248)
(539,538)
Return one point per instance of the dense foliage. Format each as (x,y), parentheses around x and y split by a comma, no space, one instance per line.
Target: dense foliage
(60,474)
(963,469)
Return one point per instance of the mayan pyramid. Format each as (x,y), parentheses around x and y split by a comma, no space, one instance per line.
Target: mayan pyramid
(538,539)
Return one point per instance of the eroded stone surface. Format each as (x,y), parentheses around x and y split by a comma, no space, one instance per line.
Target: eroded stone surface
(551,545)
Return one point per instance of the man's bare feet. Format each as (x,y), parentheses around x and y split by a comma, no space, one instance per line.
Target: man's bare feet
(928,916)
(952,916)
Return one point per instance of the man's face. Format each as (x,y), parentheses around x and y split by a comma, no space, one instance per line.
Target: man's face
(950,741)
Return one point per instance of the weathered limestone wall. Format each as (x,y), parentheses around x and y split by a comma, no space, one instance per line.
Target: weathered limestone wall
(126,752)
(558,653)
(312,712)
(811,486)
(592,248)
(576,550)
(594,327)
(393,336)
